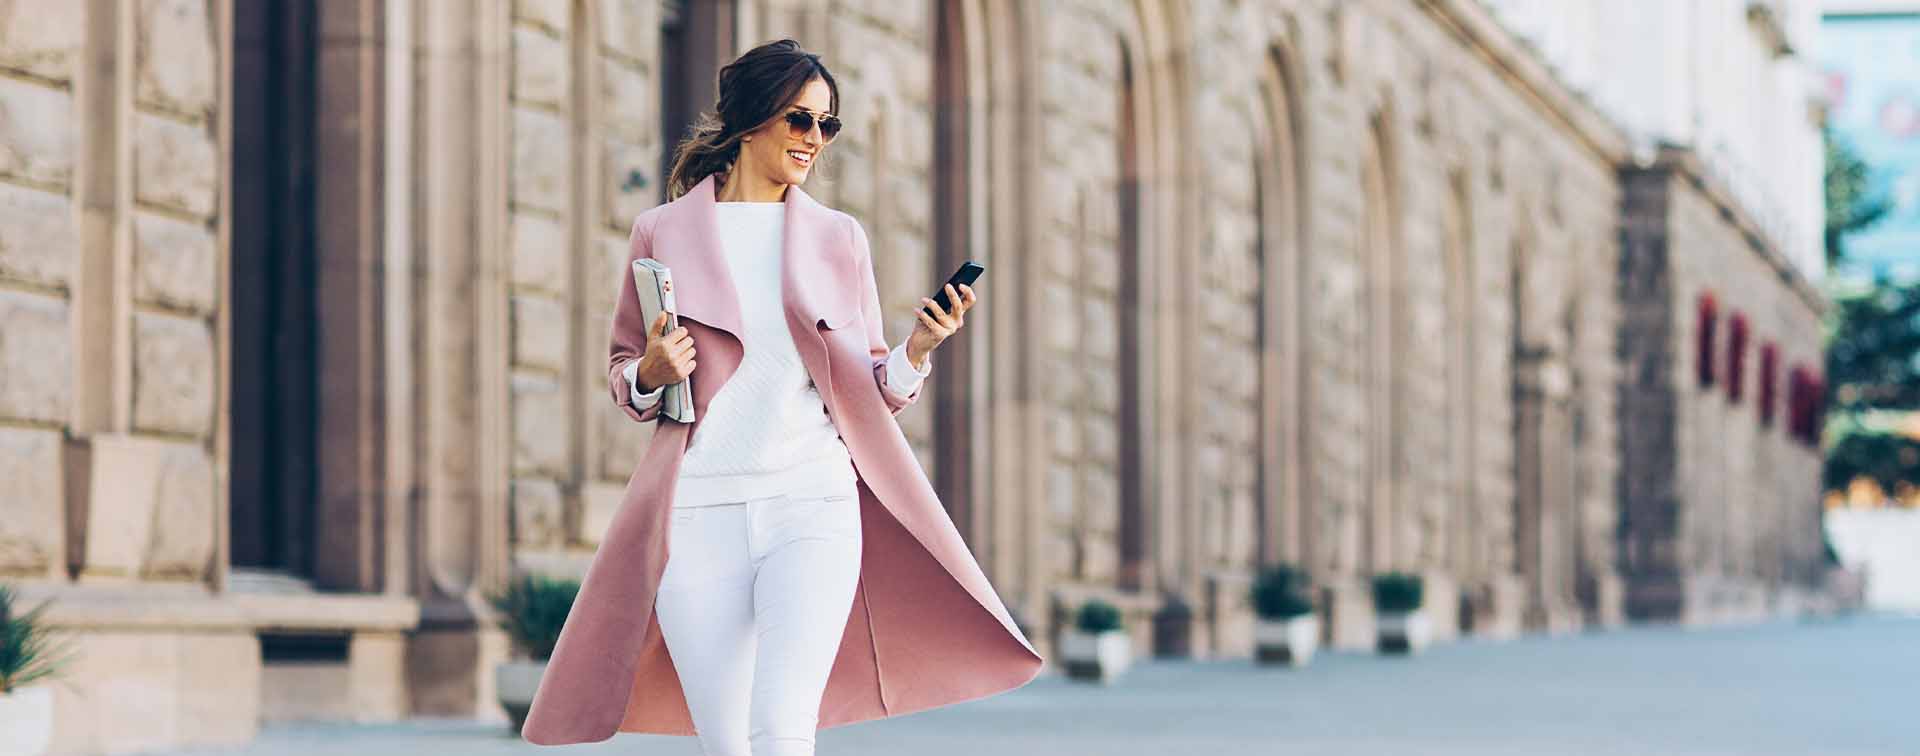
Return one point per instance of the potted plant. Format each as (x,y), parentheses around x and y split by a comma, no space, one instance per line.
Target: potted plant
(1096,647)
(532,610)
(1285,629)
(1403,627)
(26,657)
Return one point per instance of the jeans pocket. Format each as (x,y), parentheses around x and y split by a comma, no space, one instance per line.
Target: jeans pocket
(681,524)
(838,515)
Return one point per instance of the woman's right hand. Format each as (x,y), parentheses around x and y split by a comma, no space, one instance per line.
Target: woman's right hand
(669,356)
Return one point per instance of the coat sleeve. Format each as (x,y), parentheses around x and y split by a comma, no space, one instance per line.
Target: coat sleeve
(629,336)
(875,323)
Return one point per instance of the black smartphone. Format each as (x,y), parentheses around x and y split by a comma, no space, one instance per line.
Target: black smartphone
(968,272)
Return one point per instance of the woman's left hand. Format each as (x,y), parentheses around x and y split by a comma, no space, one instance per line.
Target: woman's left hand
(933,329)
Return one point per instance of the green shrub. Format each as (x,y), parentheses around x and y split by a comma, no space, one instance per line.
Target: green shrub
(1282,592)
(1397,592)
(26,650)
(532,611)
(1097,616)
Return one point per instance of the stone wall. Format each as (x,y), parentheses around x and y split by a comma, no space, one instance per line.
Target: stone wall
(1084,262)
(1721,507)
(585,137)
(1459,145)
(177,198)
(1748,494)
(881,168)
(39,244)
(109,280)
(111,385)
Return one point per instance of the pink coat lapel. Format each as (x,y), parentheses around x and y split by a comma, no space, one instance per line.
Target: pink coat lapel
(925,629)
(815,269)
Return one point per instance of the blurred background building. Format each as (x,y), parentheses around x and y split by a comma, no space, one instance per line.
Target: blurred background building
(305,310)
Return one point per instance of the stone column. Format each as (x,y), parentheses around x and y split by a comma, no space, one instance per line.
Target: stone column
(350,305)
(1544,496)
(1652,553)
(1018,492)
(458,324)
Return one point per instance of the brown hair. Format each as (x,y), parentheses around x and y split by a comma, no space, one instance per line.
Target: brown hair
(754,88)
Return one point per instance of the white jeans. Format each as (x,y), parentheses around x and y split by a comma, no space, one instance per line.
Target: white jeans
(752,605)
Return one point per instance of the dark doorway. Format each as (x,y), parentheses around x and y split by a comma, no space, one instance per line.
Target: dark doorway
(273,459)
(696,39)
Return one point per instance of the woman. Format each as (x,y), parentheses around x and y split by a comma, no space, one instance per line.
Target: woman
(800,571)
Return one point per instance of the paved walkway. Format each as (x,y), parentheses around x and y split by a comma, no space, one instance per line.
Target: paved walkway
(1833,687)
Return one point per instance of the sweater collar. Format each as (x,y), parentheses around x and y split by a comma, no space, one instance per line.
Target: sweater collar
(817,268)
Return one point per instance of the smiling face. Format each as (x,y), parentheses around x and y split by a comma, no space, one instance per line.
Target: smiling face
(776,153)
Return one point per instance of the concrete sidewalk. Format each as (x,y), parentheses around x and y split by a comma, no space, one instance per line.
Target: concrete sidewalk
(1833,688)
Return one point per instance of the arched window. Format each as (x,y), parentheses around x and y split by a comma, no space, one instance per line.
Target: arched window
(1285,486)
(1385,319)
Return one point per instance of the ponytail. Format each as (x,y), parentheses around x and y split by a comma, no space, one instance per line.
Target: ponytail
(708,150)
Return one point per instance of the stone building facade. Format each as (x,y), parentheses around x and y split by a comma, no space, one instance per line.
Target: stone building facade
(305,309)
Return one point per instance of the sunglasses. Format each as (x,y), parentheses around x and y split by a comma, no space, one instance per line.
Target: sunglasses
(799,122)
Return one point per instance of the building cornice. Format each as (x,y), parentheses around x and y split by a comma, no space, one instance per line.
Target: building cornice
(1521,65)
(1845,8)
(1685,163)
(1527,71)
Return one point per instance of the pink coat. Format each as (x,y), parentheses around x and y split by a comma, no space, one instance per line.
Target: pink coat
(926,629)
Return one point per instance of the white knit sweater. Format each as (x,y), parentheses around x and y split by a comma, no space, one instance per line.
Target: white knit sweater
(767,431)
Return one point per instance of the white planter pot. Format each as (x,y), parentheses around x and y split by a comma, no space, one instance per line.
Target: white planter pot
(1289,641)
(1404,632)
(26,721)
(516,682)
(1096,656)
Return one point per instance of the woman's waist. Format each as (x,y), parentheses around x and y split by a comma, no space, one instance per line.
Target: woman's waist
(830,469)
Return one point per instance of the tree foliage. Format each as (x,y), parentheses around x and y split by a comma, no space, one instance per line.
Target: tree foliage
(1873,368)
(1888,459)
(1873,343)
(1851,202)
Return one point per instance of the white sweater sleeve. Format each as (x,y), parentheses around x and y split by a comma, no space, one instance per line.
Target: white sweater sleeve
(902,376)
(640,401)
